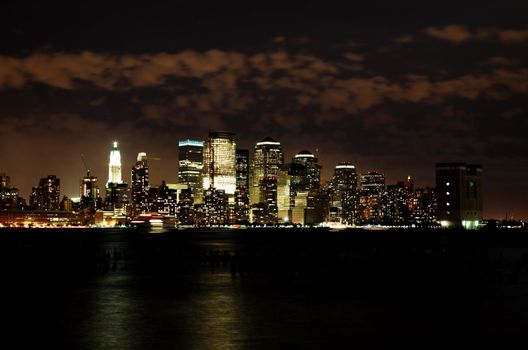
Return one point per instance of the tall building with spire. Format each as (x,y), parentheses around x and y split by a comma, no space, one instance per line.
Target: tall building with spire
(114,166)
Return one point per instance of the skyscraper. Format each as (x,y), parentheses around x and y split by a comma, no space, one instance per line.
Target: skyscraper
(219,169)
(372,189)
(46,196)
(305,172)
(344,192)
(140,183)
(114,166)
(459,194)
(190,164)
(268,159)
(242,185)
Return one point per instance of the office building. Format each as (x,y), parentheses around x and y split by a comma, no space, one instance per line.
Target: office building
(459,194)
(219,171)
(46,196)
(140,184)
(344,194)
(372,188)
(241,207)
(190,164)
(114,166)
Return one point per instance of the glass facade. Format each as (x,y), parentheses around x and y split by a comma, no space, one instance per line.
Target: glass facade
(220,163)
(190,165)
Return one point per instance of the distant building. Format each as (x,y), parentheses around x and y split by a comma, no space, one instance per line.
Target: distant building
(425,207)
(190,164)
(216,210)
(241,207)
(305,173)
(114,165)
(140,184)
(459,194)
(9,197)
(219,171)
(89,192)
(46,196)
(118,198)
(163,199)
(370,199)
(284,204)
(344,194)
(317,208)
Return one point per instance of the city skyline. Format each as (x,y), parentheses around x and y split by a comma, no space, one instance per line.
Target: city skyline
(390,87)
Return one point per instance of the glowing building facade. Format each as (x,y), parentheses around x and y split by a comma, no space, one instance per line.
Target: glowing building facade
(344,192)
(190,164)
(219,169)
(114,166)
(140,184)
(372,190)
(267,161)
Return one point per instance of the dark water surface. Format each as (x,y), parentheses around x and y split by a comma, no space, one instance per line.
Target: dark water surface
(256,289)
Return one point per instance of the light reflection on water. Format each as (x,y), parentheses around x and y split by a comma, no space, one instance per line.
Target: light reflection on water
(191,304)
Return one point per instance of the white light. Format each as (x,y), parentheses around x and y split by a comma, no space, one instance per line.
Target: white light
(447,193)
(304,156)
(264,143)
(447,183)
(448,204)
(191,143)
(345,167)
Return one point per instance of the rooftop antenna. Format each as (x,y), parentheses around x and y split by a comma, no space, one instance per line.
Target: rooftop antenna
(85,166)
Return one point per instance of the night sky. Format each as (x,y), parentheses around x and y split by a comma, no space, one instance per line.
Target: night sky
(392,86)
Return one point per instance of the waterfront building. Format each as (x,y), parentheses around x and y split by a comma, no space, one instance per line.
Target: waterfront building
(46,196)
(190,164)
(344,194)
(241,206)
(140,184)
(370,197)
(459,194)
(219,171)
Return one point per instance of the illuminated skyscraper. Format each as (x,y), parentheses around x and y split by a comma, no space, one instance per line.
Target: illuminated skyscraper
(242,186)
(344,192)
(46,196)
(459,194)
(191,164)
(90,198)
(114,166)
(372,190)
(305,174)
(219,169)
(265,165)
(140,183)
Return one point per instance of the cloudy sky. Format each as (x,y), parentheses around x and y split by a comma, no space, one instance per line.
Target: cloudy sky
(390,87)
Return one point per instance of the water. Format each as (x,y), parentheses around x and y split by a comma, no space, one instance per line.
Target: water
(119,289)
